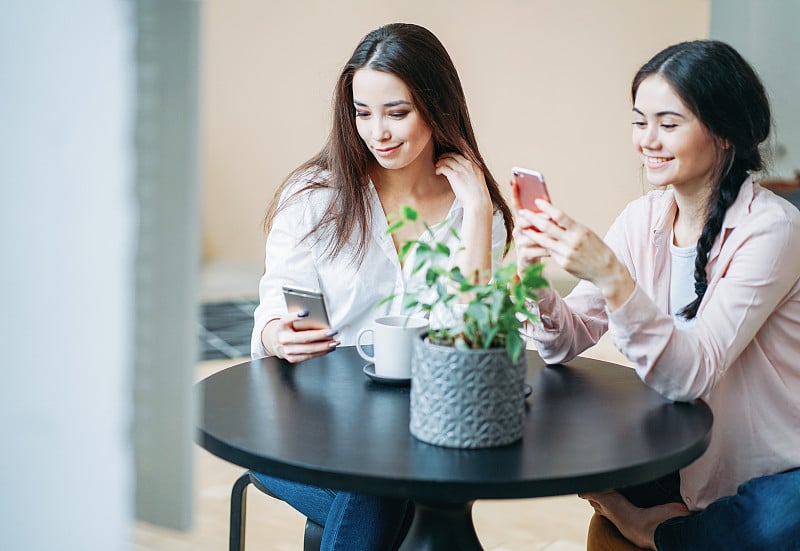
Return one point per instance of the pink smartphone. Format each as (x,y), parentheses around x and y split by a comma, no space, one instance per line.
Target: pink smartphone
(527,186)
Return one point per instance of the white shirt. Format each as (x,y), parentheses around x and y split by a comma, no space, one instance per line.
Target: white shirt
(681,283)
(351,292)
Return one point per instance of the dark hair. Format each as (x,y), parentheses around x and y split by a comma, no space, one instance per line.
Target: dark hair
(725,93)
(415,55)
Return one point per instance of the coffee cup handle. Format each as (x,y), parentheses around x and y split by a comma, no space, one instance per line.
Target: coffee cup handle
(360,350)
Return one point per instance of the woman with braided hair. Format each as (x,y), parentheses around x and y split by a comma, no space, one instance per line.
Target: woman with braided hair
(698,283)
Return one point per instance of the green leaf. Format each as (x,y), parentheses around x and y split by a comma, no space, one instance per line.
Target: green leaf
(479,312)
(519,294)
(532,277)
(409,213)
(505,273)
(430,277)
(488,340)
(514,345)
(448,297)
(470,332)
(498,301)
(443,249)
(394,227)
(423,247)
(456,275)
(405,248)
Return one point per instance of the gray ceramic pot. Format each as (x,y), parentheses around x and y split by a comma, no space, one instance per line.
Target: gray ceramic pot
(466,398)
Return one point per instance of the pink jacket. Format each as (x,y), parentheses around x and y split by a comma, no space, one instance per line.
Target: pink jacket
(742,355)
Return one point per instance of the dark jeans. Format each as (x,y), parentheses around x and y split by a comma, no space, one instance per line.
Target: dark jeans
(763,515)
(351,521)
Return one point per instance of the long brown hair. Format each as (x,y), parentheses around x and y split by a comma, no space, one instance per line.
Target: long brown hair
(415,55)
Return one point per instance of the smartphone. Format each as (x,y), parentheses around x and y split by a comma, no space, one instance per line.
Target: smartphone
(309,300)
(527,186)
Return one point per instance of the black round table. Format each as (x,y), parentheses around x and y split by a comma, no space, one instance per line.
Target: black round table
(591,425)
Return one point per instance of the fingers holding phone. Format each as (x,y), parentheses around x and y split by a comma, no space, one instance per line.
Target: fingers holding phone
(305,331)
(282,339)
(528,249)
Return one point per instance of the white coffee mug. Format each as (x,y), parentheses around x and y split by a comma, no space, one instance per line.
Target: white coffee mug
(393,344)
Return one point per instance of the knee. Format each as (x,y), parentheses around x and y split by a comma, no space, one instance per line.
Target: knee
(771,506)
(764,514)
(773,533)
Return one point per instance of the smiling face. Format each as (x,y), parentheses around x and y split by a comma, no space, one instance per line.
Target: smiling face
(388,122)
(676,148)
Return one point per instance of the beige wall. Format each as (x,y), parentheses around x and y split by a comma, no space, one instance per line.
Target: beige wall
(547,84)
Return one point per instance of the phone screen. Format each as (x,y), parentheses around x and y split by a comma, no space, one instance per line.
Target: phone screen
(527,186)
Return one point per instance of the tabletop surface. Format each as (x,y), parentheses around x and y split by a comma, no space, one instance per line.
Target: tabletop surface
(589,425)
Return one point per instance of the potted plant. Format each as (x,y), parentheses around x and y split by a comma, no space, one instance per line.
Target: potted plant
(468,377)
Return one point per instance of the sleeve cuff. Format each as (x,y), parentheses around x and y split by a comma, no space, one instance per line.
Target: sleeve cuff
(633,315)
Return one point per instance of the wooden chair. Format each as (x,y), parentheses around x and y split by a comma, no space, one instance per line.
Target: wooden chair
(313,533)
(783,185)
(789,189)
(604,536)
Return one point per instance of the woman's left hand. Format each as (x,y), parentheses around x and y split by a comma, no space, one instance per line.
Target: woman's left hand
(469,186)
(578,250)
(466,179)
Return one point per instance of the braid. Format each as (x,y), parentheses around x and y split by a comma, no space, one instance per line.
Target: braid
(726,194)
(718,86)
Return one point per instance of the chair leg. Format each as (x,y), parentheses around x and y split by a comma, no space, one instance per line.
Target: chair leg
(312,538)
(238,512)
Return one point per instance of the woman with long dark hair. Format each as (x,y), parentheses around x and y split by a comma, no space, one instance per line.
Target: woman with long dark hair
(401,136)
(698,283)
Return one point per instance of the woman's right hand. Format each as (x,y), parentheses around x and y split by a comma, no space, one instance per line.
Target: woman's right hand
(528,251)
(281,339)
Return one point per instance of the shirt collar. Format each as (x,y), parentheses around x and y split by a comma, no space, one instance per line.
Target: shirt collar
(662,225)
(741,206)
(739,209)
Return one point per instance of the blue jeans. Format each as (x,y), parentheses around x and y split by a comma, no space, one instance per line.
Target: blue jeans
(764,514)
(352,521)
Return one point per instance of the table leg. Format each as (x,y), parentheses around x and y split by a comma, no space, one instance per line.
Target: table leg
(442,525)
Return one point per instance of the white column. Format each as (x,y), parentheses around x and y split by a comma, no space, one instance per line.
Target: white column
(67,247)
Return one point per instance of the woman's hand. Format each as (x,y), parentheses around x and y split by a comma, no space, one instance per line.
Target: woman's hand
(281,339)
(466,179)
(527,248)
(574,247)
(469,186)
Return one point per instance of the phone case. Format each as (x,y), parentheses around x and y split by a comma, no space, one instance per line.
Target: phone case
(527,186)
(313,302)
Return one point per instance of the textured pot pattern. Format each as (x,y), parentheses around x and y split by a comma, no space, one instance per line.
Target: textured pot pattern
(466,398)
